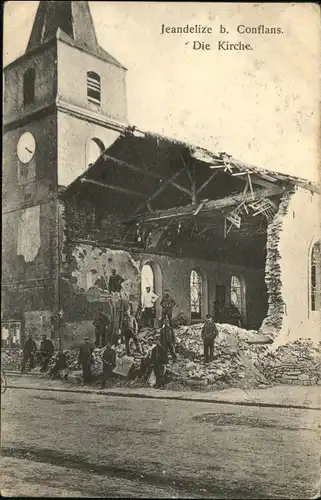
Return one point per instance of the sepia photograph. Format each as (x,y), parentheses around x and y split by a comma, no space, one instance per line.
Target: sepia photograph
(161,250)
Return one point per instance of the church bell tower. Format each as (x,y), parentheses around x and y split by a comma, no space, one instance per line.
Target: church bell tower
(64,104)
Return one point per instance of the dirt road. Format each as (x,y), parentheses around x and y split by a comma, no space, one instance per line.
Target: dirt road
(64,444)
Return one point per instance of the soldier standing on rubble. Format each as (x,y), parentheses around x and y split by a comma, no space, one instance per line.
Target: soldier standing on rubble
(158,361)
(130,330)
(115,282)
(85,360)
(167,305)
(167,338)
(100,323)
(46,351)
(209,334)
(109,363)
(148,305)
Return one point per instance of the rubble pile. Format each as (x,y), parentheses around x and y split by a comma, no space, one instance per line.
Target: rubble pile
(297,363)
(234,360)
(11,359)
(239,360)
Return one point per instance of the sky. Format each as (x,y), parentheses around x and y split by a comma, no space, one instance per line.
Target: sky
(261,106)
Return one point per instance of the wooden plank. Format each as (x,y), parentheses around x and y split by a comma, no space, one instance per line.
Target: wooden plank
(181,188)
(160,190)
(133,168)
(203,186)
(234,218)
(145,172)
(250,185)
(199,208)
(211,205)
(114,188)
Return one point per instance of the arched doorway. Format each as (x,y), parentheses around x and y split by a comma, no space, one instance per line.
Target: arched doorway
(147,278)
(151,275)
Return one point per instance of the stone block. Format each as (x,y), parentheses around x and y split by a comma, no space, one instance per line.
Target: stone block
(123,365)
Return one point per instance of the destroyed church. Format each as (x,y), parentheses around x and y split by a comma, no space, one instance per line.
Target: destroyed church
(84,192)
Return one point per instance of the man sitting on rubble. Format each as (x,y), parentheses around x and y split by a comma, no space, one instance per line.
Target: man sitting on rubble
(46,351)
(167,338)
(60,364)
(158,361)
(130,330)
(167,304)
(109,363)
(100,323)
(85,360)
(209,334)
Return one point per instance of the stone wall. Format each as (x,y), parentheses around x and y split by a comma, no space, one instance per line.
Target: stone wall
(290,238)
(84,262)
(273,321)
(301,229)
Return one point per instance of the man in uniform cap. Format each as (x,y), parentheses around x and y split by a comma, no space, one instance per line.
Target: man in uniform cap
(158,361)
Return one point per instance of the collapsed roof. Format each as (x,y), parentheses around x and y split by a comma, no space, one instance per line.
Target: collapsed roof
(168,190)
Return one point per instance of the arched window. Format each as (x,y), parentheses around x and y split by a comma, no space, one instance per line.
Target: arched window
(196,294)
(238,294)
(93,87)
(29,87)
(95,148)
(315,277)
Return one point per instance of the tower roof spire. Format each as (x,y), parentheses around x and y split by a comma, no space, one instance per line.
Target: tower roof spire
(69,20)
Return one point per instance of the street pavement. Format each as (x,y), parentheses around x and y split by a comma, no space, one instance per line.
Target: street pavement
(79,444)
(279,396)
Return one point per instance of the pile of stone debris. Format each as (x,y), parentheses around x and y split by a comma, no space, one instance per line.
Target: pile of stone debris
(11,359)
(235,363)
(240,360)
(297,363)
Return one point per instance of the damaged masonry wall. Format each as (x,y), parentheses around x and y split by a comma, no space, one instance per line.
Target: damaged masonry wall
(273,322)
(290,236)
(91,262)
(301,229)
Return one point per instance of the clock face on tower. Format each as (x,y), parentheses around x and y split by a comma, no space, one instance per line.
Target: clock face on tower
(26,147)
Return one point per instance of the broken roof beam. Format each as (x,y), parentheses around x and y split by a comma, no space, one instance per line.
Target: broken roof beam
(193,193)
(203,186)
(254,178)
(181,188)
(114,188)
(159,190)
(188,210)
(133,168)
(145,172)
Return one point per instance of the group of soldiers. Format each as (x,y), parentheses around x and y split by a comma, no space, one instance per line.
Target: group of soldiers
(31,354)
(165,343)
(105,337)
(159,355)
